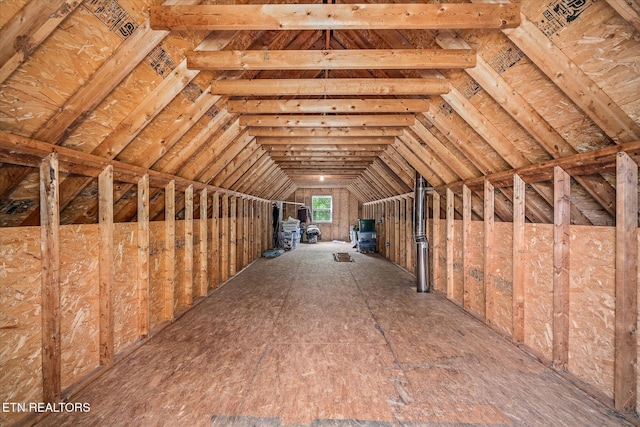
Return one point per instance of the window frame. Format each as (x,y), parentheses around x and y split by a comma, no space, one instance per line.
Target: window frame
(313,208)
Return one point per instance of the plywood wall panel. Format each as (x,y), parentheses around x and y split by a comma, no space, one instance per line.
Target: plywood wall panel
(178,289)
(125,291)
(196,259)
(79,247)
(458,274)
(592,306)
(441,285)
(57,69)
(20,318)
(503,284)
(591,40)
(475,252)
(538,289)
(156,272)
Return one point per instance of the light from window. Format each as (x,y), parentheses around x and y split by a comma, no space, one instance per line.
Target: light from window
(322,208)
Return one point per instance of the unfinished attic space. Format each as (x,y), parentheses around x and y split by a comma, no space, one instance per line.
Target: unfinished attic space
(319,213)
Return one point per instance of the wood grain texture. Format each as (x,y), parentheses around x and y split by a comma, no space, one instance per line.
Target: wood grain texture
(297,347)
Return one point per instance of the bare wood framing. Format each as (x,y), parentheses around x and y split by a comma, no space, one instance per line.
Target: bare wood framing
(334,86)
(204,255)
(224,239)
(170,248)
(327,121)
(28,29)
(587,163)
(143,257)
(187,283)
(347,140)
(334,16)
(233,220)
(561,267)
(518,258)
(629,10)
(436,243)
(106,267)
(297,106)
(215,240)
(466,242)
(489,242)
(343,59)
(323,131)
(91,165)
(449,239)
(50,279)
(625,374)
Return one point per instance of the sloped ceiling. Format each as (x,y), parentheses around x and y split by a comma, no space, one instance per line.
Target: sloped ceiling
(95,77)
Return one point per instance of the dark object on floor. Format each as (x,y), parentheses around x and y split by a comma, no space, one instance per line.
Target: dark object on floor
(272,253)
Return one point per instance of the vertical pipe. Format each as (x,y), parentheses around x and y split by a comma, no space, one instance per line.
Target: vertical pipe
(420,235)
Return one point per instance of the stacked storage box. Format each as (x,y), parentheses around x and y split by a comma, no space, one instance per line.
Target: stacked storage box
(290,233)
(366,236)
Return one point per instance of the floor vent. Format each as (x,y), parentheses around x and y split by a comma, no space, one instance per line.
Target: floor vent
(342,257)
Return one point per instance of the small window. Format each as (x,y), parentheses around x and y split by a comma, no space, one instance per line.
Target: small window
(322,208)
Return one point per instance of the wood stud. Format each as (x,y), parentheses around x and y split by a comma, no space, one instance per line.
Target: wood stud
(50,279)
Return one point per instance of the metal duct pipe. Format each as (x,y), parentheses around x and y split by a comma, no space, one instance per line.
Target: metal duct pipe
(420,234)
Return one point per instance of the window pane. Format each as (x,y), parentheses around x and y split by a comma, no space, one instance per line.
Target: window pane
(321,207)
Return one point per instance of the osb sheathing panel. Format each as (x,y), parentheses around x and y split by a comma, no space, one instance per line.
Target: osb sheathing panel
(178,289)
(502,276)
(596,37)
(441,285)
(500,119)
(536,88)
(125,279)
(475,252)
(458,273)
(79,304)
(20,318)
(156,272)
(155,132)
(196,259)
(547,99)
(538,289)
(54,72)
(592,306)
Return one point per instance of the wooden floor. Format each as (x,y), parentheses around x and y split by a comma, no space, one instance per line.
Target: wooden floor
(304,340)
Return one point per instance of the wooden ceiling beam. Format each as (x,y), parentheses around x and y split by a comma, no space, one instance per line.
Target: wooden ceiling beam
(373,120)
(334,86)
(328,147)
(329,106)
(324,132)
(321,158)
(345,59)
(350,140)
(334,16)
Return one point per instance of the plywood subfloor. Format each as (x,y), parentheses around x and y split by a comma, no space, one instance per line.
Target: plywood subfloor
(302,340)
